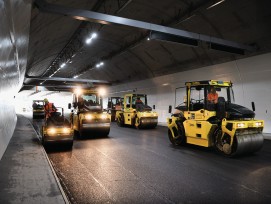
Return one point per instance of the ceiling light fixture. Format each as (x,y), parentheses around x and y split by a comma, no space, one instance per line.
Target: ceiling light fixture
(99,64)
(215,4)
(62,65)
(89,40)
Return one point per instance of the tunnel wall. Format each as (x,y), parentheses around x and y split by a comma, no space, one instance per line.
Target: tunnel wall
(14,36)
(250,76)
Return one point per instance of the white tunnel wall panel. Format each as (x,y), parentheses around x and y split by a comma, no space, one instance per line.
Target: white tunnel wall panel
(14,37)
(250,76)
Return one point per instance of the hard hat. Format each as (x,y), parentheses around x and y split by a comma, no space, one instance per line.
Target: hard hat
(46,100)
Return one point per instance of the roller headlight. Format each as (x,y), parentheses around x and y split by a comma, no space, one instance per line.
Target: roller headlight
(258,124)
(88,117)
(104,116)
(51,131)
(66,130)
(240,125)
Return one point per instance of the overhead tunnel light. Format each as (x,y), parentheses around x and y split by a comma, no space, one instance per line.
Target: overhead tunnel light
(89,40)
(215,4)
(63,65)
(99,64)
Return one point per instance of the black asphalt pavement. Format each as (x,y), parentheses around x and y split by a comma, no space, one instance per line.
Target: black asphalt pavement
(141,166)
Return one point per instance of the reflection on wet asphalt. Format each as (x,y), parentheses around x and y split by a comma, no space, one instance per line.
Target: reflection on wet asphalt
(141,166)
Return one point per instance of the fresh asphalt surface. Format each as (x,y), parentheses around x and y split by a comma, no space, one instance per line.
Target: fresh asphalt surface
(141,166)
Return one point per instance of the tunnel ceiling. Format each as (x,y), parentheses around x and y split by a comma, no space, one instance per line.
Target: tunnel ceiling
(127,53)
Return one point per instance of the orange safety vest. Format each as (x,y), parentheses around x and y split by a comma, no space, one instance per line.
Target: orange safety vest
(48,109)
(138,101)
(212,97)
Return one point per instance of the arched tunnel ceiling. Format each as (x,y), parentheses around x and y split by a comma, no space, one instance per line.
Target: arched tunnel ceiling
(126,52)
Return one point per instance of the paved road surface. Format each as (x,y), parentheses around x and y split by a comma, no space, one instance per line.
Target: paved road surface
(141,166)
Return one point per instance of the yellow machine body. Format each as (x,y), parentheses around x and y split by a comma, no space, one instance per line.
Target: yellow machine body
(38,109)
(136,115)
(87,116)
(57,134)
(57,129)
(203,127)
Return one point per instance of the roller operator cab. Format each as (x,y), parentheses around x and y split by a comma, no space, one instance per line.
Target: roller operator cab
(38,109)
(136,112)
(87,116)
(229,128)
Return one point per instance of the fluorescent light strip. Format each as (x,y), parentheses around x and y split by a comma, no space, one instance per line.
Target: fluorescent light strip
(215,4)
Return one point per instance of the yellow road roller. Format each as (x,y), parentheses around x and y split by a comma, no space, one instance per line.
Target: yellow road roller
(57,129)
(209,118)
(38,109)
(136,112)
(87,116)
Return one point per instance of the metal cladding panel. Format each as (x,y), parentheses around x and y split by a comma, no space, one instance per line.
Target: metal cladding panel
(14,38)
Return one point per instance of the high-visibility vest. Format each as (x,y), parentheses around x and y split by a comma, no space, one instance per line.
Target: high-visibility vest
(48,109)
(212,97)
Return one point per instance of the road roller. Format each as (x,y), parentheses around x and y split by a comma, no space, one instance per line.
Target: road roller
(38,109)
(136,112)
(209,117)
(57,129)
(87,115)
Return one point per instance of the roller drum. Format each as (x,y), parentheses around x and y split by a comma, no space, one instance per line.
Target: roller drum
(248,143)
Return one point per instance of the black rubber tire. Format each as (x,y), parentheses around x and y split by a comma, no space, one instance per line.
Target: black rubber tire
(80,133)
(139,126)
(120,121)
(106,133)
(218,146)
(76,134)
(69,145)
(113,118)
(180,138)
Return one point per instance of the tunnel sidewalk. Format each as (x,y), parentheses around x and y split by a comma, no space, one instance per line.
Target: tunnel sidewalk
(25,174)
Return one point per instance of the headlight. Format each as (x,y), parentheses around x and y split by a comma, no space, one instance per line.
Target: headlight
(51,131)
(240,125)
(258,123)
(66,130)
(103,116)
(88,117)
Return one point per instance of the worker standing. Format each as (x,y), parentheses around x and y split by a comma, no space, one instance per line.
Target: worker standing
(49,108)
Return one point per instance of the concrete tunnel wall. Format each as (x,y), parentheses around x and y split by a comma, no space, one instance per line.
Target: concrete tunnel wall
(14,38)
(250,76)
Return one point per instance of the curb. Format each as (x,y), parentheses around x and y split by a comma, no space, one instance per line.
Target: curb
(65,197)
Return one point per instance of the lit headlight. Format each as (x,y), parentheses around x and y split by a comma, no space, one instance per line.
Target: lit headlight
(240,125)
(66,130)
(103,116)
(88,117)
(258,123)
(51,131)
